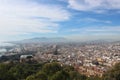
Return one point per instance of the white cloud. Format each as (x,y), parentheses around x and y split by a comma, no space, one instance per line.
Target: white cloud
(105,29)
(89,20)
(94,5)
(101,30)
(26,16)
(95,33)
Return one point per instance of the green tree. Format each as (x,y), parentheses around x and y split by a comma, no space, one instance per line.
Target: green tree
(61,75)
(4,75)
(38,76)
(51,68)
(94,78)
(113,73)
(74,75)
(30,77)
(68,68)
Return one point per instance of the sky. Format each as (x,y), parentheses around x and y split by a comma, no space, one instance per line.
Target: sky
(74,19)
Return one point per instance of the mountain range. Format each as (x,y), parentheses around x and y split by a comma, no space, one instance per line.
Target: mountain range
(42,39)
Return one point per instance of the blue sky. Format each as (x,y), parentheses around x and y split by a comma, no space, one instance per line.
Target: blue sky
(74,19)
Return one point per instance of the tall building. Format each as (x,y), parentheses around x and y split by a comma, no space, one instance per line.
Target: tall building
(55,50)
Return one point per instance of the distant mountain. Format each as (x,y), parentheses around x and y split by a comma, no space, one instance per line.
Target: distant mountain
(42,39)
(58,39)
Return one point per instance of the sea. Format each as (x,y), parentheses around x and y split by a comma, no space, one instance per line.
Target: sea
(2,44)
(2,47)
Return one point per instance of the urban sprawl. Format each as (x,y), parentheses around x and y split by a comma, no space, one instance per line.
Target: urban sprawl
(90,59)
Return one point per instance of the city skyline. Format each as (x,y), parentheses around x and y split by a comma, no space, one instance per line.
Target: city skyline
(73,19)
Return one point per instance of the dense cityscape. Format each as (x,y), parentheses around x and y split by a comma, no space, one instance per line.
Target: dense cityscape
(90,59)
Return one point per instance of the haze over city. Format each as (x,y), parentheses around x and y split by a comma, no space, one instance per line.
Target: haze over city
(73,19)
